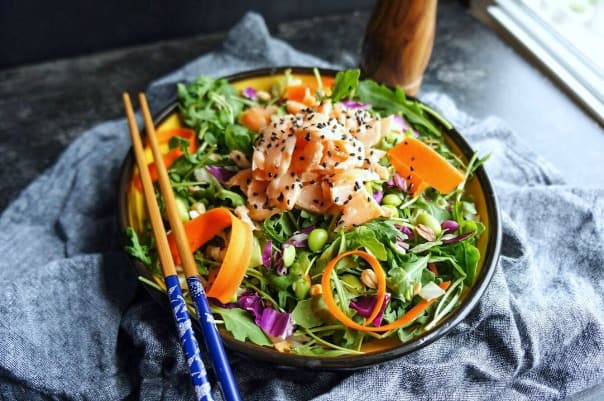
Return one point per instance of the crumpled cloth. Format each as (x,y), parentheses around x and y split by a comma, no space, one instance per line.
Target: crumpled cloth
(76,324)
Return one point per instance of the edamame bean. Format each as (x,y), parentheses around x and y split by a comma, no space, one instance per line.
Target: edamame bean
(301,287)
(317,239)
(182,208)
(392,200)
(430,221)
(352,283)
(393,211)
(289,255)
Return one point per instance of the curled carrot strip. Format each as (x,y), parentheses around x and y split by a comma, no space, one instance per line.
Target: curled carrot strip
(328,294)
(413,313)
(164,137)
(414,159)
(238,254)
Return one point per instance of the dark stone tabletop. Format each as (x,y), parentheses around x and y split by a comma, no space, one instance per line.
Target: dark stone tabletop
(44,107)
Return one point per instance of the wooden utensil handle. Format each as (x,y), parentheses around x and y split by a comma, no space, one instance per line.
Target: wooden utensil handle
(398,42)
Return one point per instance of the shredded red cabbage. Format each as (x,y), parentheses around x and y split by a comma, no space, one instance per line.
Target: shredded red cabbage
(249,93)
(267,254)
(449,225)
(251,302)
(403,125)
(275,323)
(307,230)
(272,322)
(364,305)
(280,268)
(399,182)
(405,230)
(402,244)
(299,240)
(458,238)
(351,104)
(378,196)
(221,173)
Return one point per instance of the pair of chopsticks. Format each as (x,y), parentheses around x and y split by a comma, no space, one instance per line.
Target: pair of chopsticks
(211,337)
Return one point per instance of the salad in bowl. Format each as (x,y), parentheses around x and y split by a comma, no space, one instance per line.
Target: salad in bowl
(332,217)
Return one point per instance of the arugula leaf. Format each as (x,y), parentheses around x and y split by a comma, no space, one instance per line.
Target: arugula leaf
(210,106)
(237,137)
(366,238)
(304,316)
(468,255)
(401,279)
(395,102)
(239,323)
(277,228)
(235,198)
(345,84)
(141,252)
(177,142)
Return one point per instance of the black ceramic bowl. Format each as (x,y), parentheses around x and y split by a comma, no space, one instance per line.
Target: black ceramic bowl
(131,208)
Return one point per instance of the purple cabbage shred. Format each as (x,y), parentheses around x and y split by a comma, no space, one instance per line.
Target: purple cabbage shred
(267,254)
(221,173)
(351,104)
(405,230)
(403,124)
(378,196)
(275,323)
(251,302)
(449,225)
(299,240)
(364,305)
(272,322)
(458,238)
(249,93)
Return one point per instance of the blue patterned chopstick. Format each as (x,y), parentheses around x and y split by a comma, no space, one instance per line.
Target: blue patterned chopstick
(212,340)
(188,341)
(211,336)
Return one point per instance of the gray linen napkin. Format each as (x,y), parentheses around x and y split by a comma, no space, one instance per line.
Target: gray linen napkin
(76,326)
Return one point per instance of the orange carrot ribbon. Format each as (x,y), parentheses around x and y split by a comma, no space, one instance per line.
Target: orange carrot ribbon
(413,313)
(238,253)
(169,158)
(422,166)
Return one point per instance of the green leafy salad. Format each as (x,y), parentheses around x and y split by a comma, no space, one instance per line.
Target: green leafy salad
(349,212)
